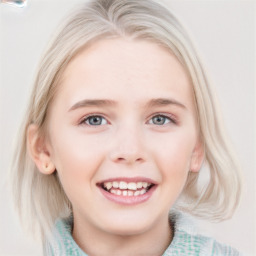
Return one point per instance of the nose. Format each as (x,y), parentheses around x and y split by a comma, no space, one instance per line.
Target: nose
(128,147)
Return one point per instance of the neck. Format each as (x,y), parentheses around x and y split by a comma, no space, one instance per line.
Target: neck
(94,242)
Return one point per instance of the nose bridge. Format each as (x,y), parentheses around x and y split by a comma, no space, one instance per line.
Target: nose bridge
(128,144)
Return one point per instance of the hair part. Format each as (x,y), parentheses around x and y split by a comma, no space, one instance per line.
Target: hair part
(40,198)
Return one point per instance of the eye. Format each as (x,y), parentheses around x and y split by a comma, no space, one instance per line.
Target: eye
(94,120)
(160,120)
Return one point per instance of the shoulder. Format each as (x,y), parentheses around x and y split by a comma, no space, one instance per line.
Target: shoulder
(188,241)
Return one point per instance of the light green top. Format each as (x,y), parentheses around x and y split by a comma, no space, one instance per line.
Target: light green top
(186,241)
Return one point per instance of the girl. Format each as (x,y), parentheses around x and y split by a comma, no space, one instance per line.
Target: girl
(120,124)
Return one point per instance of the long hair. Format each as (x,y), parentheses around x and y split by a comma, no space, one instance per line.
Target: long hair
(40,198)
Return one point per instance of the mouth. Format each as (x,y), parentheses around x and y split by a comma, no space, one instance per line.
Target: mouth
(123,188)
(127,191)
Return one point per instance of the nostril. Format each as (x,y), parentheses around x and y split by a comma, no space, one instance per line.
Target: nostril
(128,160)
(139,160)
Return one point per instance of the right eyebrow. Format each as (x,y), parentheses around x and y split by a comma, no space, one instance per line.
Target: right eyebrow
(92,103)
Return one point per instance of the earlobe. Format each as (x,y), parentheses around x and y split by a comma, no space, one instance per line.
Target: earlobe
(38,150)
(48,168)
(197,157)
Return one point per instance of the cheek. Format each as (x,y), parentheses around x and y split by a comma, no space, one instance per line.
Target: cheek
(173,154)
(76,157)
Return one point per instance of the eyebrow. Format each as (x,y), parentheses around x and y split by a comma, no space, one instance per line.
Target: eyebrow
(164,102)
(107,103)
(92,103)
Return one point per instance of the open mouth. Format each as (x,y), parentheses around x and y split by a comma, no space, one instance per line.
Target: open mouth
(130,189)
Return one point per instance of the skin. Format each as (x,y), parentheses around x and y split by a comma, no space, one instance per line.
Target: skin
(129,142)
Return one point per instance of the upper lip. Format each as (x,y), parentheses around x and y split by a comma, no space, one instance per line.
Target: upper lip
(128,179)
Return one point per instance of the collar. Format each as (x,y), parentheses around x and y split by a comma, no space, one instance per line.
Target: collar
(186,240)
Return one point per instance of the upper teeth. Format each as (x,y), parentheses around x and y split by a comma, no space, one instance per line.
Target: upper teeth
(125,185)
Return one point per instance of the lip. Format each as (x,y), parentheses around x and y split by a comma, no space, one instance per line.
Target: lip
(128,200)
(129,179)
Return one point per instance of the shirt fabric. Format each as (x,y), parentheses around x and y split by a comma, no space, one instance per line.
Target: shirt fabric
(186,240)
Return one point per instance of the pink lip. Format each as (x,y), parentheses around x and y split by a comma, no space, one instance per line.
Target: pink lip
(128,200)
(128,179)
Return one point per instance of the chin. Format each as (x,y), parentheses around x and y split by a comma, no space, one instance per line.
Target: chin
(129,225)
(127,230)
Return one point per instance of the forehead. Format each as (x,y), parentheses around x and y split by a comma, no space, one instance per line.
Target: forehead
(121,68)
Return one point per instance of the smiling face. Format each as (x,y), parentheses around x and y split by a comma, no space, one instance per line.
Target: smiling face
(123,135)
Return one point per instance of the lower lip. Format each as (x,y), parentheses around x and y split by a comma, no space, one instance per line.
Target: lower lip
(128,200)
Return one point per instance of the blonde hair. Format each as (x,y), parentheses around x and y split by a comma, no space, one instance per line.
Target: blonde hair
(40,198)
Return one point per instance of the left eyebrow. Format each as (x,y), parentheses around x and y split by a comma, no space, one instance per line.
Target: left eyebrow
(92,103)
(164,102)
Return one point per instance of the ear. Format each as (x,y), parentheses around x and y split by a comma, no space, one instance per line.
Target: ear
(39,151)
(197,157)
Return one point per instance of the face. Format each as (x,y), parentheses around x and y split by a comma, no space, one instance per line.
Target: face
(123,135)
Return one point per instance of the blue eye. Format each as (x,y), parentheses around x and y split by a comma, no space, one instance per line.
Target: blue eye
(160,120)
(95,120)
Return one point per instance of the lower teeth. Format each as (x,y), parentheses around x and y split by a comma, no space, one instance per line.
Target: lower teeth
(127,192)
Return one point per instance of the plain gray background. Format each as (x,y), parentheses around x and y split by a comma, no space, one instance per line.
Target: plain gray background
(224,33)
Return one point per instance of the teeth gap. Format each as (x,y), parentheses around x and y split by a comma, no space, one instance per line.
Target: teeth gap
(149,187)
(102,185)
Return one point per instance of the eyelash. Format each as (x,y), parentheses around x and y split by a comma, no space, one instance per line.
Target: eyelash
(171,119)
